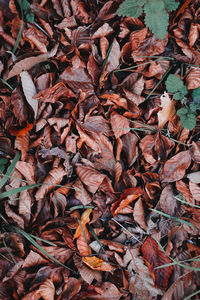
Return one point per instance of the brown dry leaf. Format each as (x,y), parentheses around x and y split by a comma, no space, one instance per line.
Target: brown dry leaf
(114,57)
(71,288)
(85,218)
(194,177)
(32,259)
(25,205)
(183,286)
(195,190)
(76,76)
(27,170)
(90,177)
(22,144)
(11,214)
(126,198)
(55,177)
(174,169)
(37,37)
(193,35)
(98,264)
(56,92)
(129,141)
(29,62)
(86,273)
(120,124)
(29,91)
(183,188)
(168,110)
(193,78)
(81,193)
(138,214)
(154,257)
(141,284)
(47,290)
(102,31)
(168,202)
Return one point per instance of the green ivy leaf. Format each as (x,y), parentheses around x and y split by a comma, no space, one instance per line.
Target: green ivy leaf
(184,90)
(27,11)
(171,5)
(178,96)
(187,118)
(131,8)
(174,84)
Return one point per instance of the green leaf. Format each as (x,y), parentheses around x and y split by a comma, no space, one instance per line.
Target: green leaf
(174,84)
(171,5)
(178,96)
(182,111)
(188,120)
(184,90)
(196,95)
(131,8)
(193,107)
(156,18)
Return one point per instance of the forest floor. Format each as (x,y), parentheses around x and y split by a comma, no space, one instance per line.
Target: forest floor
(99,174)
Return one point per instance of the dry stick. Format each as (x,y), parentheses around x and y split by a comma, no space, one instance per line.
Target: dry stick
(126,230)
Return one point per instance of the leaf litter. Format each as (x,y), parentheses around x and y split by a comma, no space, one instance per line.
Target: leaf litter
(103,198)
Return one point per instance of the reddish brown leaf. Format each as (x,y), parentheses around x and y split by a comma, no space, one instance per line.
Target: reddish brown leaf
(90,177)
(126,198)
(29,62)
(120,124)
(174,169)
(55,177)
(155,257)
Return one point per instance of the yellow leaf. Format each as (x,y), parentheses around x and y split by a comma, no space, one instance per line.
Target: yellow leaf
(167,111)
(98,264)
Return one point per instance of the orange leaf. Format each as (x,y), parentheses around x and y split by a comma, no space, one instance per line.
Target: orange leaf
(182,8)
(155,257)
(17,131)
(85,218)
(82,243)
(167,111)
(126,198)
(97,264)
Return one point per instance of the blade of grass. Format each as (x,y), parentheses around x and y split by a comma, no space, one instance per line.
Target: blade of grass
(176,262)
(163,77)
(175,219)
(10,87)
(191,295)
(10,169)
(9,252)
(18,190)
(186,203)
(80,207)
(43,240)
(34,243)
(21,28)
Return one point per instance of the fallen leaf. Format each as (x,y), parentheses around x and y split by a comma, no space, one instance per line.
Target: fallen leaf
(98,264)
(174,168)
(29,62)
(168,110)
(85,218)
(155,257)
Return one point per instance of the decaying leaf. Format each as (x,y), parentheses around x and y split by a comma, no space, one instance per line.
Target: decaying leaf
(168,110)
